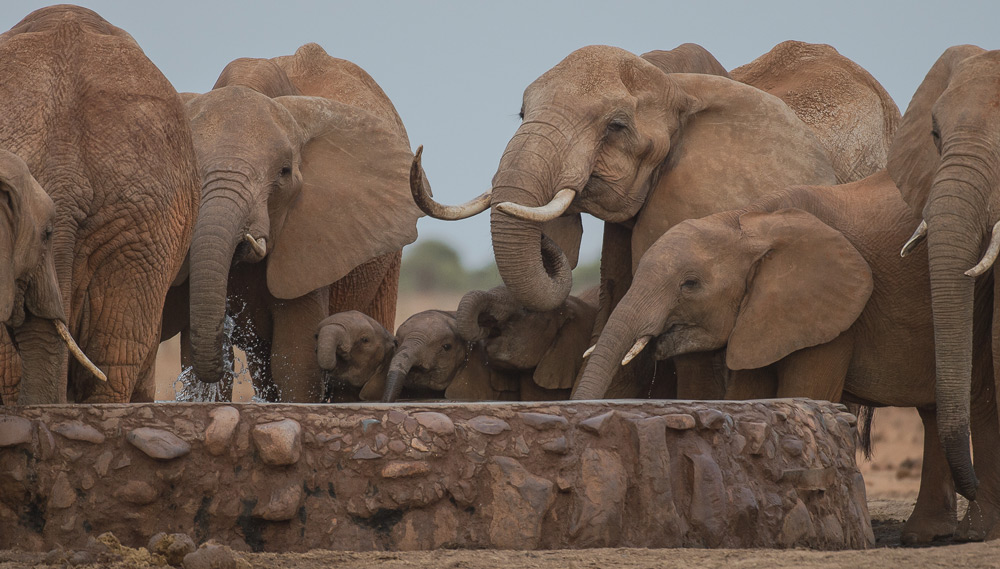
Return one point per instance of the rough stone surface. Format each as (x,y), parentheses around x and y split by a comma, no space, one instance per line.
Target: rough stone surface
(158,443)
(279,443)
(78,431)
(776,473)
(173,547)
(219,434)
(14,430)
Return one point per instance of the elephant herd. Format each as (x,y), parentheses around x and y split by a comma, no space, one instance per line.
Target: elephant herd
(764,236)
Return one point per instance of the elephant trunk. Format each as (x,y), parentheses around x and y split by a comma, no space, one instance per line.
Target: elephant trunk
(219,229)
(332,345)
(534,268)
(399,367)
(954,237)
(626,325)
(496,303)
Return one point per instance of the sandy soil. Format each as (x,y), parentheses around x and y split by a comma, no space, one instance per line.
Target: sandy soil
(892,478)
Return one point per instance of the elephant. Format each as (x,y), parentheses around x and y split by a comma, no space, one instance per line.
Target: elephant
(29,286)
(853,116)
(105,135)
(304,213)
(807,296)
(547,344)
(944,161)
(432,358)
(609,133)
(491,348)
(354,350)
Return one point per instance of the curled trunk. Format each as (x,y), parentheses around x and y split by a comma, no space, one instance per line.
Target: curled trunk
(495,305)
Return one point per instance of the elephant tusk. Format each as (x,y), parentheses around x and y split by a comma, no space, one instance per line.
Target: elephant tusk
(636,348)
(916,239)
(77,352)
(547,212)
(432,208)
(259,245)
(589,351)
(991,254)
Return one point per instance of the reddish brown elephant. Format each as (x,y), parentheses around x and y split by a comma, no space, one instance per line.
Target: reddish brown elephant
(105,135)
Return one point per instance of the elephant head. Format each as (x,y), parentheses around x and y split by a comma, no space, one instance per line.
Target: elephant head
(546,344)
(944,161)
(29,287)
(353,348)
(311,186)
(762,285)
(601,131)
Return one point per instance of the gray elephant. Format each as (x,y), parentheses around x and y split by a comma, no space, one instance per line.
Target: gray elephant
(944,161)
(611,134)
(304,213)
(29,287)
(354,352)
(806,294)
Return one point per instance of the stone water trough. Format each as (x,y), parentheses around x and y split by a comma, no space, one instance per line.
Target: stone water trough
(275,477)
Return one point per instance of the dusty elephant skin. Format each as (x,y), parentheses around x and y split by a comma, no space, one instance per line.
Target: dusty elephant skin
(404,477)
(75,86)
(305,210)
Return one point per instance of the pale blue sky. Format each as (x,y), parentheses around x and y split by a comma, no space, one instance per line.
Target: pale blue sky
(456,70)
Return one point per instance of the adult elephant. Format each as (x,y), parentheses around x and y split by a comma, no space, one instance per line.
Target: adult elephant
(105,134)
(609,133)
(944,161)
(304,212)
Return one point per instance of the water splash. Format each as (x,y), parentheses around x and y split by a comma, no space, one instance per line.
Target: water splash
(188,388)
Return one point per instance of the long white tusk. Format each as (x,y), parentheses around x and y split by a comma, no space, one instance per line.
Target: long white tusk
(636,348)
(259,245)
(916,239)
(546,212)
(991,254)
(589,351)
(432,208)
(77,352)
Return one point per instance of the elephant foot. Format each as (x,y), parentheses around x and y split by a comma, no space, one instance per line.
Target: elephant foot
(979,523)
(925,529)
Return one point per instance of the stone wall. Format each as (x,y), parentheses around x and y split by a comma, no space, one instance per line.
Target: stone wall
(279,477)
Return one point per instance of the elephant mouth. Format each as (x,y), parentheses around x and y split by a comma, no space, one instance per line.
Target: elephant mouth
(250,249)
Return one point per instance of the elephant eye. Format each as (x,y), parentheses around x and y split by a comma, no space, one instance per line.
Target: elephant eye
(616,125)
(285,171)
(690,285)
(364,339)
(47,234)
(447,347)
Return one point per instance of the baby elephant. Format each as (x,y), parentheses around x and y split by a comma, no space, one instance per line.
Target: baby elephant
(808,294)
(354,352)
(492,349)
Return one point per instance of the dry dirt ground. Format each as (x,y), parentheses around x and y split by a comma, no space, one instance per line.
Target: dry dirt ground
(891,478)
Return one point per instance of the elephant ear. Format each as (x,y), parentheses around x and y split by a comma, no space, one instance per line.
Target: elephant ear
(686,58)
(913,157)
(560,363)
(566,231)
(355,201)
(807,286)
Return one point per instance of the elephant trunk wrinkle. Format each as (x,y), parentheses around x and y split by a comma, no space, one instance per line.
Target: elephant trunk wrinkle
(217,233)
(954,239)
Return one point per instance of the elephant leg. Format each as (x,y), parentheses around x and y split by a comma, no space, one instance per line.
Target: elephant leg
(294,366)
(933,516)
(982,520)
(10,369)
(817,372)
(761,383)
(697,377)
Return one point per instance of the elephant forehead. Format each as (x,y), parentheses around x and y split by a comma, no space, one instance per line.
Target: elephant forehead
(239,110)
(596,69)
